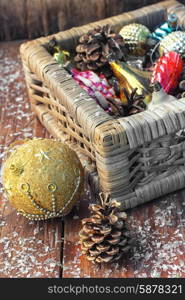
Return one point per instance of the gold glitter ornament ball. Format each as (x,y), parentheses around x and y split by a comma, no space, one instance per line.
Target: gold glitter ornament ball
(43,178)
(135,37)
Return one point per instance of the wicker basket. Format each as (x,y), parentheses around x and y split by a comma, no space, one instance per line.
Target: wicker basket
(136,158)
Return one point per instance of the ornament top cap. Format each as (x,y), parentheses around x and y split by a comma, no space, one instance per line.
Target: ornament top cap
(172,18)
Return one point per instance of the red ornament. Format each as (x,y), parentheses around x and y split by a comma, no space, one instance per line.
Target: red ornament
(167,71)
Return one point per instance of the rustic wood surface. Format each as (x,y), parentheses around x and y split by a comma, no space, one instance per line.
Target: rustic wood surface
(51,248)
(30,19)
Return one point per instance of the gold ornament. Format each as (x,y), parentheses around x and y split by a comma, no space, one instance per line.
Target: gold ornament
(43,178)
(135,37)
(130,78)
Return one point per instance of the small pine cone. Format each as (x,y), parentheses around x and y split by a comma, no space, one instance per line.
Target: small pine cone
(137,107)
(97,46)
(104,236)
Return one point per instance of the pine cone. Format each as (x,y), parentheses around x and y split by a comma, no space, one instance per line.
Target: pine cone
(104,235)
(97,46)
(135,104)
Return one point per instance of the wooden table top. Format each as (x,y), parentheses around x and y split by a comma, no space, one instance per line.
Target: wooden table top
(51,248)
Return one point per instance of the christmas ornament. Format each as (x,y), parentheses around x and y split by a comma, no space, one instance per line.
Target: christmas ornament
(96,86)
(180,91)
(60,55)
(43,178)
(159,96)
(104,236)
(137,62)
(96,46)
(182,85)
(174,41)
(170,26)
(135,37)
(167,71)
(130,79)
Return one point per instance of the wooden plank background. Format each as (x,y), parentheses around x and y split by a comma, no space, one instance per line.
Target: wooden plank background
(32,18)
(51,248)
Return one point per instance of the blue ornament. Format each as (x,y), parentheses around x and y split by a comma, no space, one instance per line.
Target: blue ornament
(166,28)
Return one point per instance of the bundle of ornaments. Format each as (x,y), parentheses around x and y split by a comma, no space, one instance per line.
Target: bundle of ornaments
(129,71)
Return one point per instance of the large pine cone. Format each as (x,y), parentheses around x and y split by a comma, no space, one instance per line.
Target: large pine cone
(104,235)
(97,46)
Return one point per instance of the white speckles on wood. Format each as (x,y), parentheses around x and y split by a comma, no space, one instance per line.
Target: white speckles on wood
(159,231)
(27,248)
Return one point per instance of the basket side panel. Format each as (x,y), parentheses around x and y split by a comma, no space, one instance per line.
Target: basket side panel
(115,160)
(138,175)
(59,118)
(140,161)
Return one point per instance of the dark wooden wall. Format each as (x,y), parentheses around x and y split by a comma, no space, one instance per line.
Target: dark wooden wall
(20,19)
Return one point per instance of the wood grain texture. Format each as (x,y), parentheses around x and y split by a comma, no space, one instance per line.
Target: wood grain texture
(30,19)
(37,249)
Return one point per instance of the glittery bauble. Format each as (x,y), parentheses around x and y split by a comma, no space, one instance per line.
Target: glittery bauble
(167,71)
(175,41)
(135,37)
(43,178)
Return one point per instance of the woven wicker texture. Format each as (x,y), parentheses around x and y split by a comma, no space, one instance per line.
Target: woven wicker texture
(135,159)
